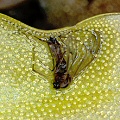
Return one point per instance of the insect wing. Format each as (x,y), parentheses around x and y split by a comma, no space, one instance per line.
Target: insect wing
(81,48)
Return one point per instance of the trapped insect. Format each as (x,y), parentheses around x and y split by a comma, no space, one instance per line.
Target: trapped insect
(72,52)
(62,77)
(71,57)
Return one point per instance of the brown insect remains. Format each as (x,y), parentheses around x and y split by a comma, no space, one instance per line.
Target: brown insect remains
(71,56)
(62,77)
(74,58)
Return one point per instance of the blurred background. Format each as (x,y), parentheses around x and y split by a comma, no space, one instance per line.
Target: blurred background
(52,14)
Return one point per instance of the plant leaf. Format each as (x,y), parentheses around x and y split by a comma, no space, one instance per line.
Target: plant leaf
(93,94)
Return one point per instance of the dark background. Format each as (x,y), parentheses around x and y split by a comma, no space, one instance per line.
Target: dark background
(29,12)
(52,15)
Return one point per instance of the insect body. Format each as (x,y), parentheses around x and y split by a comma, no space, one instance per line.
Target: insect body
(62,77)
(71,56)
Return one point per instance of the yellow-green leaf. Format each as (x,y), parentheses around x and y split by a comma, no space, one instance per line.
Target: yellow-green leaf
(94,94)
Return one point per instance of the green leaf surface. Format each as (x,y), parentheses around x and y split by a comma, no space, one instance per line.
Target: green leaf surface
(94,93)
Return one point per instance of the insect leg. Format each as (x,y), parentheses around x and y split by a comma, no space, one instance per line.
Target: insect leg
(67,51)
(33,66)
(53,59)
(91,51)
(74,55)
(33,61)
(86,60)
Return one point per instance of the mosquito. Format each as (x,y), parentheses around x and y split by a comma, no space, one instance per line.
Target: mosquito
(70,55)
(68,60)
(62,77)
